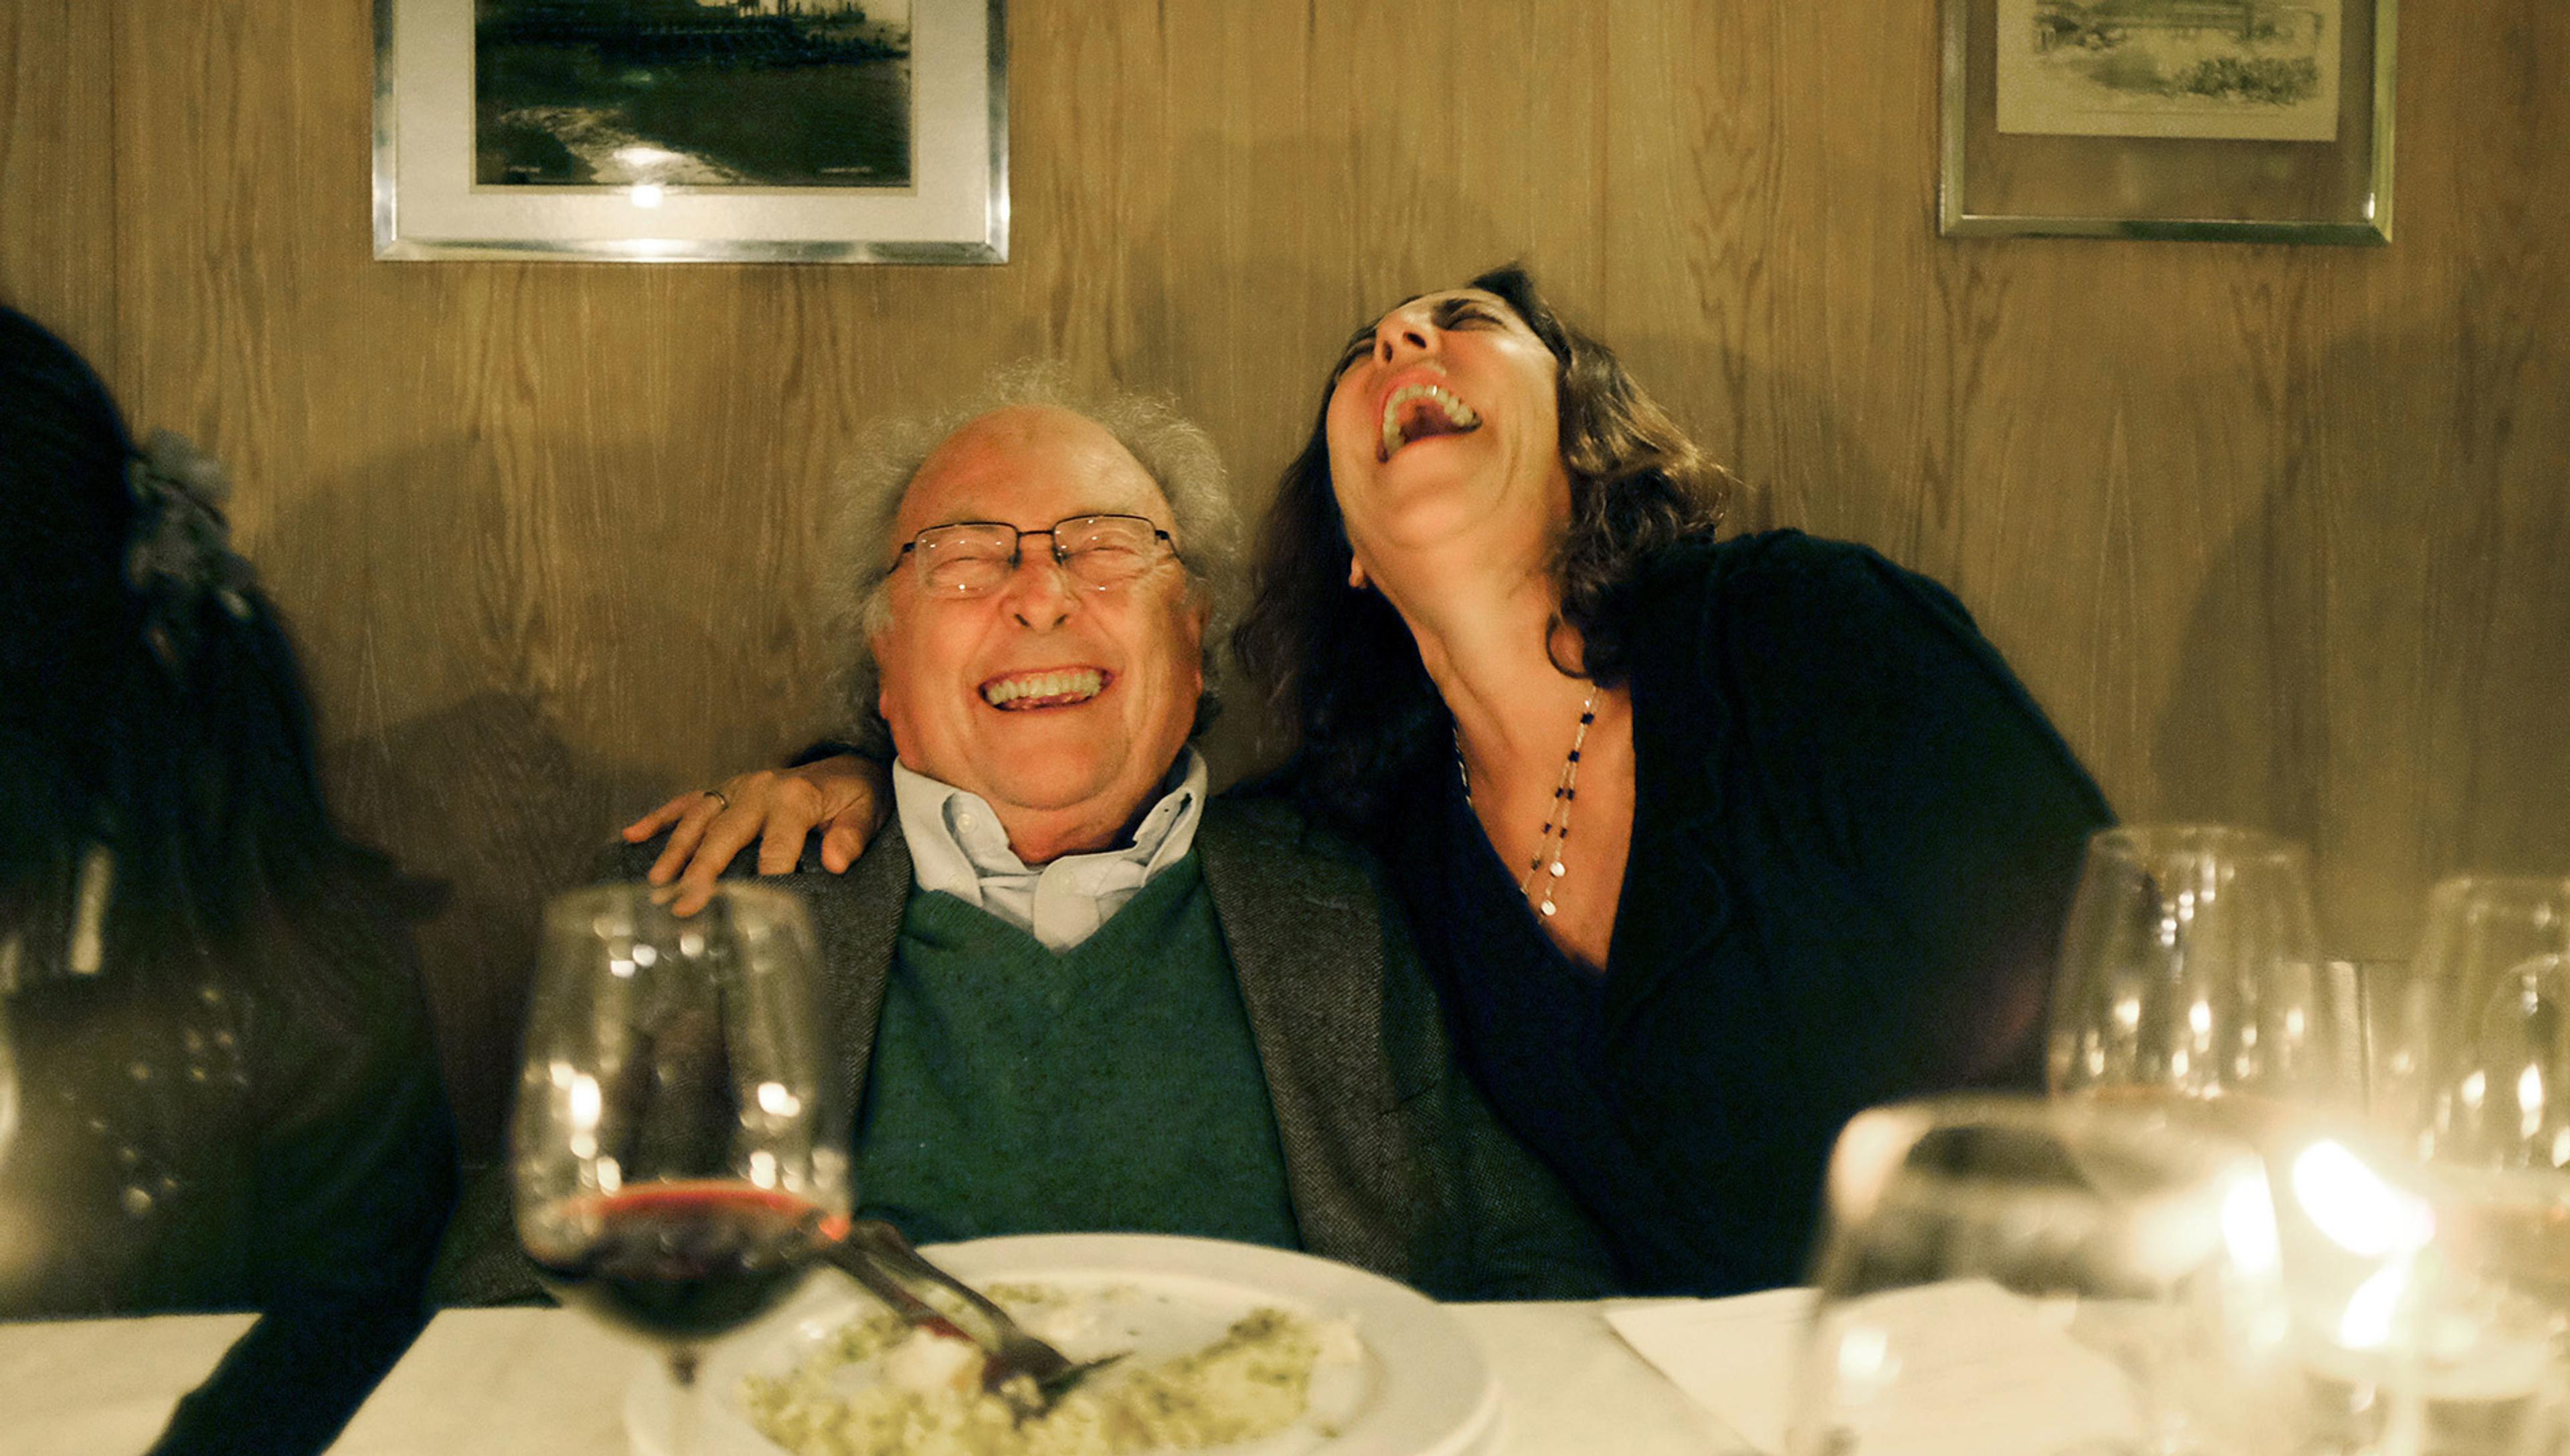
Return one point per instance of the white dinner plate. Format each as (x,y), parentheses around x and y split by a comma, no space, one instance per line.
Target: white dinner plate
(1422,1388)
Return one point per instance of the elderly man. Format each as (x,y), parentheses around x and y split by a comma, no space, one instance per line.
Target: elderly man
(1078,991)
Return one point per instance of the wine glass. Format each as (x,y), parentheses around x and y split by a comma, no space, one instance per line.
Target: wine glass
(2191,970)
(2473,1071)
(679,1147)
(2021,1278)
(2478,1054)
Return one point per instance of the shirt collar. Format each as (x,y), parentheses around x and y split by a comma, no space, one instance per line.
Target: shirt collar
(956,841)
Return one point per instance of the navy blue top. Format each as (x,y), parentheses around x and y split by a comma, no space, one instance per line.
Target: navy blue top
(1855,837)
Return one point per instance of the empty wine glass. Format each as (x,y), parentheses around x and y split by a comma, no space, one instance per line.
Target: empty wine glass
(2476,1070)
(678,1146)
(2009,1276)
(2473,1071)
(2191,970)
(2486,1038)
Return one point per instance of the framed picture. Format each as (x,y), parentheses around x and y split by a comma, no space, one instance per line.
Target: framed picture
(669,130)
(2249,120)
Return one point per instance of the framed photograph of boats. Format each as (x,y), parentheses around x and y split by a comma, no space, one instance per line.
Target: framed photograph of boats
(692,131)
(2265,120)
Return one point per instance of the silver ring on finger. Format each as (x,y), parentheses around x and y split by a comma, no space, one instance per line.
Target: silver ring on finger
(720,797)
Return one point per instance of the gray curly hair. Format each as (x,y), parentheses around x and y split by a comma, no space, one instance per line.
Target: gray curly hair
(1178,456)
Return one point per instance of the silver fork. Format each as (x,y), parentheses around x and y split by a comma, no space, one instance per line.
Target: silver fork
(883,1256)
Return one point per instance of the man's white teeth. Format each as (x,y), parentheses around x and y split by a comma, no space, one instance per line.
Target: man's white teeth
(1077,682)
(1455,411)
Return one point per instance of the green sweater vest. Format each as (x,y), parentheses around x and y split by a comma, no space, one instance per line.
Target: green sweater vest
(1112,1087)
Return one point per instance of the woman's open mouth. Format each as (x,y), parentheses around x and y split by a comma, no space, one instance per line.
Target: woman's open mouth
(1420,411)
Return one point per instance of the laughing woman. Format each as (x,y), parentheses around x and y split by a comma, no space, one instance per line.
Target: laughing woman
(1712,842)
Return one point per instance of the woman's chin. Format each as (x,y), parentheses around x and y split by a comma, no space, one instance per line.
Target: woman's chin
(1458,523)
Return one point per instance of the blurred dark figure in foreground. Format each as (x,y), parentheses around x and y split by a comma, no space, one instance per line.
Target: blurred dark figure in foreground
(225,1094)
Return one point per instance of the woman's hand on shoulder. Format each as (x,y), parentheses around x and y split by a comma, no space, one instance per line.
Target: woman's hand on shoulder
(845,797)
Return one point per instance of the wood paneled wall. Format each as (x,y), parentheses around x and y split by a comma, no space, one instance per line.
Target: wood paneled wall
(2280,536)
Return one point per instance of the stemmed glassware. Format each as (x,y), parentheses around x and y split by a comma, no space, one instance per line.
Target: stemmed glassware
(2191,979)
(2476,1064)
(2010,1277)
(2191,983)
(2472,1070)
(679,1148)
(2191,970)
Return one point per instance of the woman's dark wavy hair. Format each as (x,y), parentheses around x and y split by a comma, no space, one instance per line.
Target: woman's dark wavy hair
(196,772)
(1340,664)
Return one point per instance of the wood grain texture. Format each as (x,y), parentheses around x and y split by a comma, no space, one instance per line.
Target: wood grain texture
(2279,535)
(58,170)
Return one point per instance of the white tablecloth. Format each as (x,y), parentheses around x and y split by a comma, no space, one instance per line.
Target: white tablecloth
(100,1388)
(548,1382)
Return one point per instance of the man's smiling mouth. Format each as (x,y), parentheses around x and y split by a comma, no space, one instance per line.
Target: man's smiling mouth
(1418,410)
(1057,689)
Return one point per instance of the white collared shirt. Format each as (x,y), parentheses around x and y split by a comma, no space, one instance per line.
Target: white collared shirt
(957,845)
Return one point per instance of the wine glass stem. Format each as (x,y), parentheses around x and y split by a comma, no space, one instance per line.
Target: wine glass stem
(686,1403)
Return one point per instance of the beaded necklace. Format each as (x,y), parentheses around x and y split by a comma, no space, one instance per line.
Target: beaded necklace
(1556,824)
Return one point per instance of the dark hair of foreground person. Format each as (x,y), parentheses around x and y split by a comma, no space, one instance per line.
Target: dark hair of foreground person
(229,1094)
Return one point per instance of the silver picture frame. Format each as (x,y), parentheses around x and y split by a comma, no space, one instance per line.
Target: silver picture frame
(952,206)
(2024,163)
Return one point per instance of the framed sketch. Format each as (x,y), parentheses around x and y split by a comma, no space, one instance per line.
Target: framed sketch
(2250,119)
(663,131)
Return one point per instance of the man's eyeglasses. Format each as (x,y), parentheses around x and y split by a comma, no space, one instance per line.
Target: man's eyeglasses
(974,557)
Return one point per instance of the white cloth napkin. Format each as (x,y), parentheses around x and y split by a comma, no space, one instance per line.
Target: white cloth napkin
(1981,1372)
(1734,1357)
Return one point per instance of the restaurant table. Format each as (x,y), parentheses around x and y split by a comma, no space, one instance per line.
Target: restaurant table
(518,1382)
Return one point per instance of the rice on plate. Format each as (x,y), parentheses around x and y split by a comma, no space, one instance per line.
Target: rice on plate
(876,1387)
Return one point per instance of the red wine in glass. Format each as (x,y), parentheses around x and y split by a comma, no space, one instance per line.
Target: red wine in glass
(683,1262)
(680,1141)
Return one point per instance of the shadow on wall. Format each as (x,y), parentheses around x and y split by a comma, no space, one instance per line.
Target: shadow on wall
(472,645)
(487,797)
(2373,666)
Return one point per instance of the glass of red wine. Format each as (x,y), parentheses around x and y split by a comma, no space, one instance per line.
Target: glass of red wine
(679,1147)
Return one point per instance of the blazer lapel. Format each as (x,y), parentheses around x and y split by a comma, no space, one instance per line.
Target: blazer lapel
(1306,943)
(857,919)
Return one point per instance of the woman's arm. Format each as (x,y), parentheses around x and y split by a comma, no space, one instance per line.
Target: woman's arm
(355,1177)
(846,795)
(1938,785)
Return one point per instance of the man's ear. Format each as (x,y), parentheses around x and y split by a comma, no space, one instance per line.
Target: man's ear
(1198,603)
(1356,574)
(1199,622)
